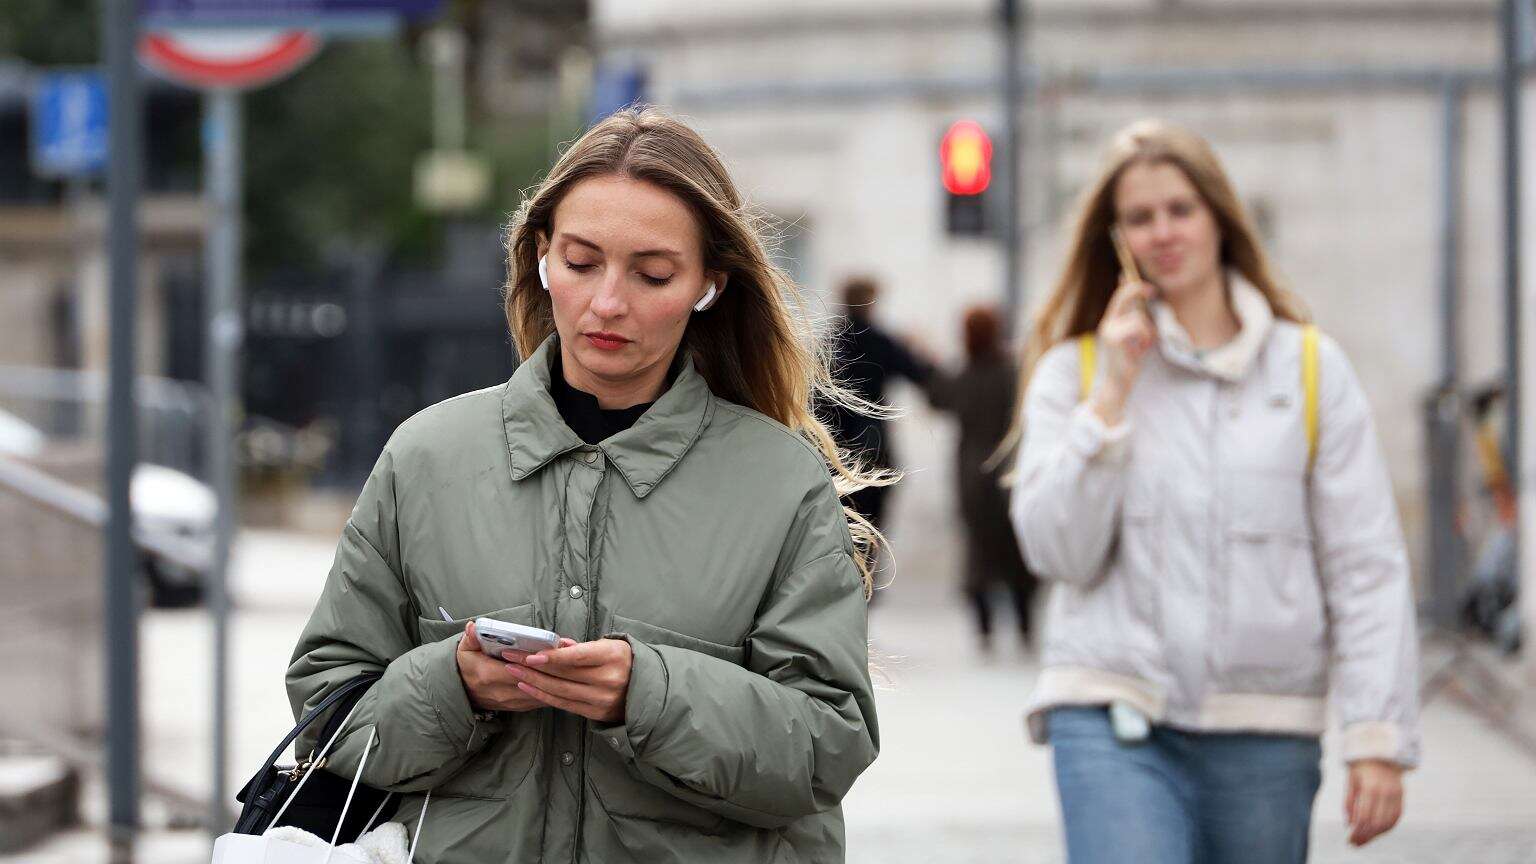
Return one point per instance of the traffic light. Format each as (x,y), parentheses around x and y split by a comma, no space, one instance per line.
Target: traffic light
(965,156)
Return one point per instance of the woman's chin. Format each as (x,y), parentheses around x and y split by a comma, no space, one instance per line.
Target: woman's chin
(1178,286)
(608,365)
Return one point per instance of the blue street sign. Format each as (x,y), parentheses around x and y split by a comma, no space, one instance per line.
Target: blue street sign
(69,124)
(615,87)
(325,16)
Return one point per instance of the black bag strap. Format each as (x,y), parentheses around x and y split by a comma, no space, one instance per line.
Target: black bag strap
(359,685)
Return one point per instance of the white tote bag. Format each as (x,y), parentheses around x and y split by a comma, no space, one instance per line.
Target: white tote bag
(266,849)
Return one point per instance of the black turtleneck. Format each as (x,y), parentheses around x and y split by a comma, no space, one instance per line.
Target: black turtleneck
(579,409)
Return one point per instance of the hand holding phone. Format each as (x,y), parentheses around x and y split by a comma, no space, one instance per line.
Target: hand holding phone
(1127,260)
(1126,332)
(487,681)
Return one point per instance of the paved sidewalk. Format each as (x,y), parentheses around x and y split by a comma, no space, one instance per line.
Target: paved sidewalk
(956,781)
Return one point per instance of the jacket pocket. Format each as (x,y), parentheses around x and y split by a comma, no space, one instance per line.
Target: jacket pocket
(1114,622)
(1274,618)
(616,782)
(624,794)
(654,635)
(436,629)
(507,760)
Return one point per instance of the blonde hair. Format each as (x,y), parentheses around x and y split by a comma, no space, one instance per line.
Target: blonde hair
(755,347)
(1082,292)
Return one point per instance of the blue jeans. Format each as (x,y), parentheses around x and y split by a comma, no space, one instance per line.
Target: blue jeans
(1182,797)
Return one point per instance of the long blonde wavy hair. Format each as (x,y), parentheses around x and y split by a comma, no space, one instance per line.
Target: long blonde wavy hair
(1081,294)
(757,346)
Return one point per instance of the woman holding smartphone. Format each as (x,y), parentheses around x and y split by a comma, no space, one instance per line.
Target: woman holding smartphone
(1200,476)
(651,485)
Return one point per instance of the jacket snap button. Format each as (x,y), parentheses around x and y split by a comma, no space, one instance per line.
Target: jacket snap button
(567,758)
(589,458)
(576,592)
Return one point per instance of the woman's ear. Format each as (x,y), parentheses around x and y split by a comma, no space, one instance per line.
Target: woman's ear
(541,244)
(714,283)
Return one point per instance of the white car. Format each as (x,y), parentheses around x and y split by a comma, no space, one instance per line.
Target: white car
(166,504)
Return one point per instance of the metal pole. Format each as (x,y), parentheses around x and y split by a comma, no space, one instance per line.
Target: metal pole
(119,29)
(1509,93)
(445,51)
(1445,441)
(1012,163)
(223,334)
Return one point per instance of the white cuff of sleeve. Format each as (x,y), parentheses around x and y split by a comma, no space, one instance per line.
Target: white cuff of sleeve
(1097,442)
(1379,740)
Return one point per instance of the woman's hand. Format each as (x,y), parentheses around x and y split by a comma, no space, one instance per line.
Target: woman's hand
(1374,800)
(1126,334)
(589,679)
(486,680)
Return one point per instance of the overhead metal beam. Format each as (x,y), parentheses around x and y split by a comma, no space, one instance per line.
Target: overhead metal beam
(776,25)
(1124,81)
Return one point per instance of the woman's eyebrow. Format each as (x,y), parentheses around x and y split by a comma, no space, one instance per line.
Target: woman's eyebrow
(660,252)
(581,241)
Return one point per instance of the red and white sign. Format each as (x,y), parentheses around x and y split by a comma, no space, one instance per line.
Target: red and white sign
(226,58)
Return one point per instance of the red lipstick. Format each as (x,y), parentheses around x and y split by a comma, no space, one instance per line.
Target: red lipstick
(606,341)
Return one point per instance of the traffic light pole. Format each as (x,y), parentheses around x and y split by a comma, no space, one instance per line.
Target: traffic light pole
(1012,165)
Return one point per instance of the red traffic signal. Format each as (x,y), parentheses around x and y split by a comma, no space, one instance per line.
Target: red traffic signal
(966,154)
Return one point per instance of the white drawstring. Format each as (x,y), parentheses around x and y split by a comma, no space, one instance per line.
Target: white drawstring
(314,765)
(421,822)
(348,805)
(369,826)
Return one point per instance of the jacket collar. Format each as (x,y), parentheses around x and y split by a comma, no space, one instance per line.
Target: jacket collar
(644,454)
(1232,360)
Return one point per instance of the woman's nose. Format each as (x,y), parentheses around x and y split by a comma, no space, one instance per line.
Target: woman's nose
(609,301)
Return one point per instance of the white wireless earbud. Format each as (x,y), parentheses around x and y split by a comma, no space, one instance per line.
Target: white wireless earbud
(708,298)
(544,273)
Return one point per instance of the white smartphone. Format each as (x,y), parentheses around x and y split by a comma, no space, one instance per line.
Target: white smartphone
(498,636)
(1130,725)
(1123,252)
(1128,260)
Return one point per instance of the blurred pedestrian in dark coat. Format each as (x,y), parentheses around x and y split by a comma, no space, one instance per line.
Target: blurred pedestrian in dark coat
(865,359)
(981,397)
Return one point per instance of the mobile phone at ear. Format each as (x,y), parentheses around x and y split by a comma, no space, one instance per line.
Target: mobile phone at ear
(1128,260)
(1123,252)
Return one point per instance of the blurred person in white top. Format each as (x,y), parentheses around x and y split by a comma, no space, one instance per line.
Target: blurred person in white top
(1219,572)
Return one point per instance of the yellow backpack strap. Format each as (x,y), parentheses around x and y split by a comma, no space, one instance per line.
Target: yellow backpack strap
(1309,389)
(1087,355)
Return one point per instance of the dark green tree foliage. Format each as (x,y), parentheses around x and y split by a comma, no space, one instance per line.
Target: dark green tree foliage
(330,154)
(49,32)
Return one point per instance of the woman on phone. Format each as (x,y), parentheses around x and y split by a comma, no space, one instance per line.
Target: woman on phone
(1200,475)
(651,485)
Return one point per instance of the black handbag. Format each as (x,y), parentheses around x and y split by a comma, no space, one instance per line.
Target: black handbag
(319,804)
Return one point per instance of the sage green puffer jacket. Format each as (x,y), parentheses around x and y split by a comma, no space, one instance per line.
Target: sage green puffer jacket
(707,535)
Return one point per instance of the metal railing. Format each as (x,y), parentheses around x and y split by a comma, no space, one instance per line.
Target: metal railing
(68,404)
